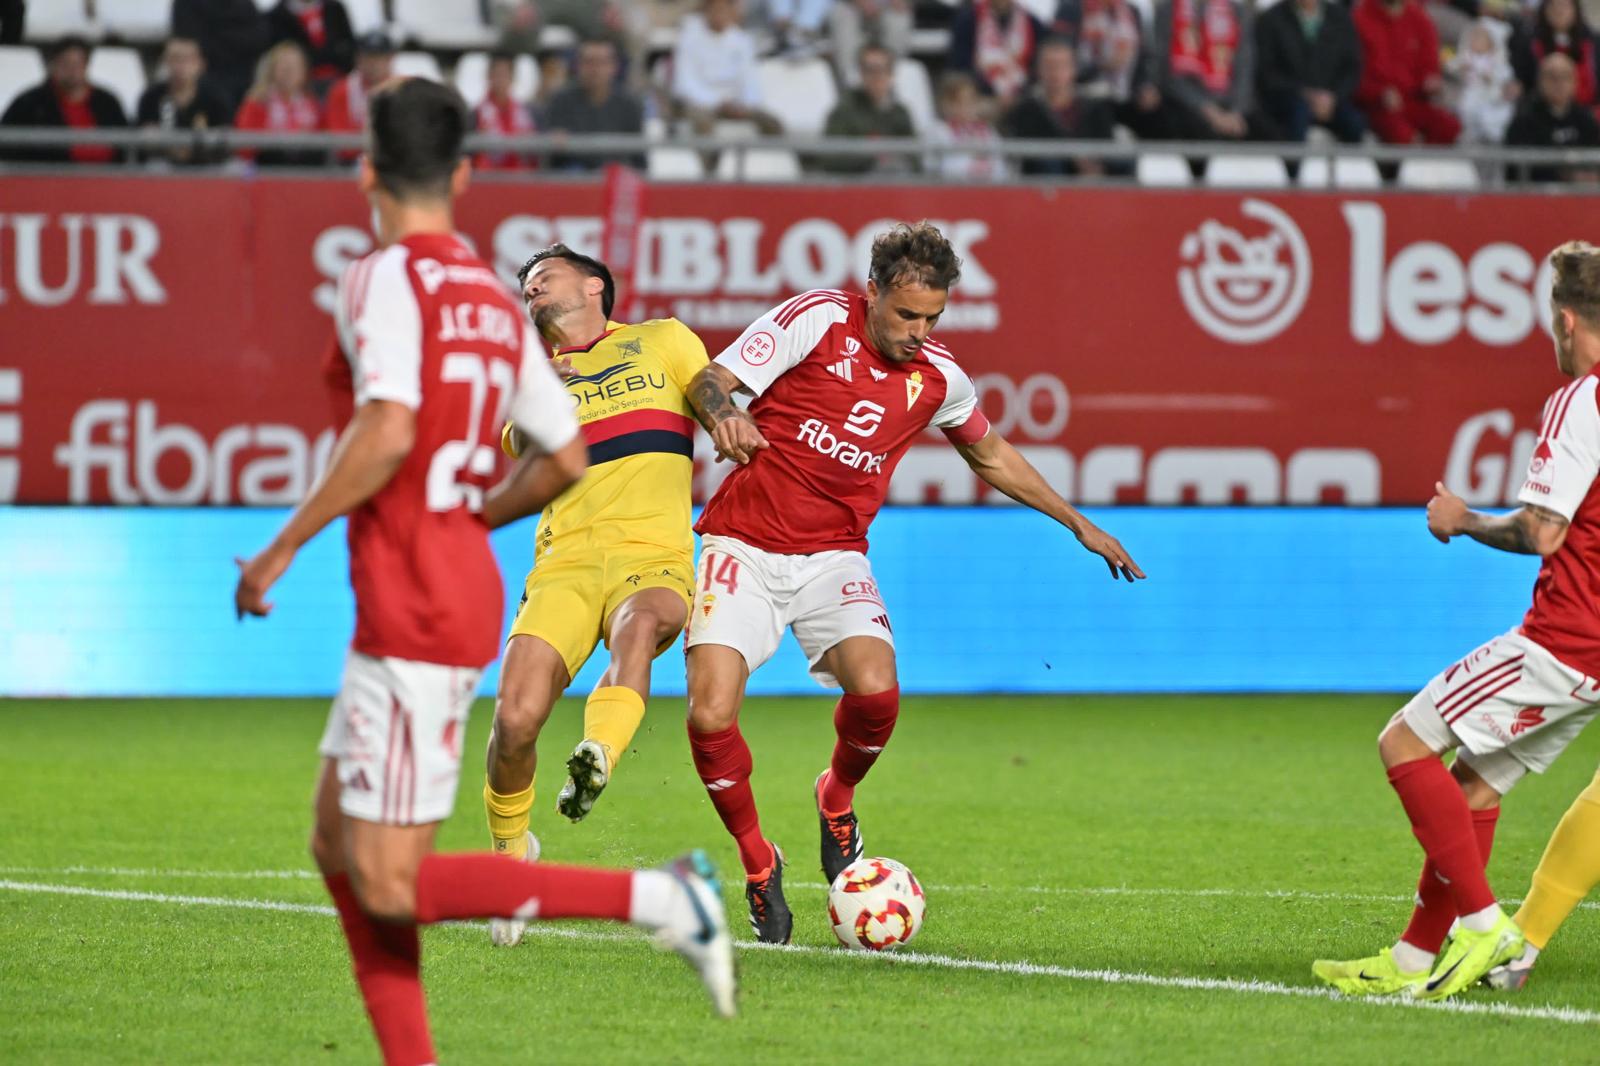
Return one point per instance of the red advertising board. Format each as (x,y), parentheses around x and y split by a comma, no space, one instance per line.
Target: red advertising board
(160,336)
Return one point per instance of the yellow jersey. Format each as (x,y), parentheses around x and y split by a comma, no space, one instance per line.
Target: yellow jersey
(629,391)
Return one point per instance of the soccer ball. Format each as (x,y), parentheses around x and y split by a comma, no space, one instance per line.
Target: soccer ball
(875,904)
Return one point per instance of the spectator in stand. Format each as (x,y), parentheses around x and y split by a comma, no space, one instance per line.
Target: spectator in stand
(555,74)
(185,101)
(1204,53)
(1552,118)
(961,122)
(1113,60)
(994,41)
(1055,110)
(65,98)
(1556,27)
(596,103)
(232,36)
(714,71)
(797,25)
(322,28)
(1400,78)
(1308,64)
(346,109)
(870,112)
(1489,87)
(280,101)
(853,23)
(500,114)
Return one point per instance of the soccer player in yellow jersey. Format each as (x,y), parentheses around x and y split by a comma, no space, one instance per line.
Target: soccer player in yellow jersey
(614,554)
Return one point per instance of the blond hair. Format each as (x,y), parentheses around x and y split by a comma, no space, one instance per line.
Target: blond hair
(262,88)
(1576,285)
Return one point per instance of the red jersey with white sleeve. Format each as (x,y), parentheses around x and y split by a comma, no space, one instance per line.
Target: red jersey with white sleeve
(427,324)
(837,416)
(1565,616)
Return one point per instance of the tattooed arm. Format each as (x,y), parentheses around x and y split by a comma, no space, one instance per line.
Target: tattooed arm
(1531,530)
(732,429)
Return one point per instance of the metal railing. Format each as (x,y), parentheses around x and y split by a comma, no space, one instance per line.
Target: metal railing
(143,145)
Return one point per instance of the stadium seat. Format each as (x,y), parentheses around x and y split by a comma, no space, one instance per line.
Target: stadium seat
(138,21)
(1247,171)
(417,65)
(472,77)
(800,93)
(758,164)
(674,164)
(20,68)
(365,15)
(121,72)
(1160,170)
(1346,172)
(913,88)
(442,25)
(49,19)
(1438,174)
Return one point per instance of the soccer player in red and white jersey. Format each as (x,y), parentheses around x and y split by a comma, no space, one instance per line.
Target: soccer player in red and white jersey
(439,357)
(1515,703)
(843,384)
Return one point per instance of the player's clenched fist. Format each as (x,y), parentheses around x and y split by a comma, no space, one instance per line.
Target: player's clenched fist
(256,576)
(1446,512)
(1108,548)
(737,438)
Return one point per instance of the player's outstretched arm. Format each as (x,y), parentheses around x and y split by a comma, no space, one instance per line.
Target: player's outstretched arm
(997,462)
(1529,530)
(368,453)
(534,482)
(732,429)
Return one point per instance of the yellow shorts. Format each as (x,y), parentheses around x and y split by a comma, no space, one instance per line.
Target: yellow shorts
(568,601)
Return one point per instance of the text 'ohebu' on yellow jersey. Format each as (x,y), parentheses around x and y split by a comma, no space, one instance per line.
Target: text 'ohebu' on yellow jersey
(629,392)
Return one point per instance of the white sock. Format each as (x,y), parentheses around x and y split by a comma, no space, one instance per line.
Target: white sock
(1412,959)
(1525,961)
(657,899)
(1484,920)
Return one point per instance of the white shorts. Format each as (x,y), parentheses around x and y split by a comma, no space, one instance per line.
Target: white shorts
(745,597)
(396,730)
(1511,706)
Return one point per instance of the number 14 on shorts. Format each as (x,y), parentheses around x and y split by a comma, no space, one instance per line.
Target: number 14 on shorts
(720,570)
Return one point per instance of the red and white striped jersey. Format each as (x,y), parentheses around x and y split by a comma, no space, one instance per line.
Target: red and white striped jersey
(838,416)
(1564,618)
(427,324)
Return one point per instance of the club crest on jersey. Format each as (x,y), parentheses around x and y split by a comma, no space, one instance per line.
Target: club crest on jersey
(913,388)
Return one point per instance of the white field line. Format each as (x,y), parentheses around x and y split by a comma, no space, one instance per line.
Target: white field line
(1568,1015)
(816,886)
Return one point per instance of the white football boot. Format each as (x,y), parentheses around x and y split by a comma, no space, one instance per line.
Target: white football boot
(697,928)
(507,932)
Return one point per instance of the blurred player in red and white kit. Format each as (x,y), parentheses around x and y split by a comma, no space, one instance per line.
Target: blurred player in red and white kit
(843,385)
(1515,703)
(439,357)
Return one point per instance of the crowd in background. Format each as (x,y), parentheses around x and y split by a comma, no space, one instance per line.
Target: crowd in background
(1396,71)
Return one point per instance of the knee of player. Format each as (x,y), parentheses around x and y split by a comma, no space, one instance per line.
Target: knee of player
(519,713)
(1399,744)
(385,894)
(712,712)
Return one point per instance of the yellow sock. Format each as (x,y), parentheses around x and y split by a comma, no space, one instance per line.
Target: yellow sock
(508,820)
(1569,869)
(611,717)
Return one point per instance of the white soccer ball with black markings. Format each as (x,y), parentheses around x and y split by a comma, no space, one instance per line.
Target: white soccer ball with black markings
(875,904)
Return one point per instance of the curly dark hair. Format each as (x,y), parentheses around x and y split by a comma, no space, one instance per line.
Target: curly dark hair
(914,254)
(586,264)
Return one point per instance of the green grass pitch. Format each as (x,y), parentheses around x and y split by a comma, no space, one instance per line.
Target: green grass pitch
(1165,869)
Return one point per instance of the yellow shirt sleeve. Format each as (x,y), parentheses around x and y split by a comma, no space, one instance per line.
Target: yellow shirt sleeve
(687,355)
(512,441)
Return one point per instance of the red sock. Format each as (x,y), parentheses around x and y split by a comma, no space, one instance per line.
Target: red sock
(1436,911)
(724,764)
(485,885)
(863,724)
(1443,825)
(388,965)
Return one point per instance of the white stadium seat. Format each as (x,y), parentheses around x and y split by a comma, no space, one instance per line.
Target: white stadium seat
(46,20)
(1163,171)
(417,65)
(365,15)
(441,24)
(20,69)
(121,72)
(1246,172)
(141,21)
(758,164)
(800,93)
(1346,172)
(674,164)
(913,88)
(472,77)
(1438,174)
